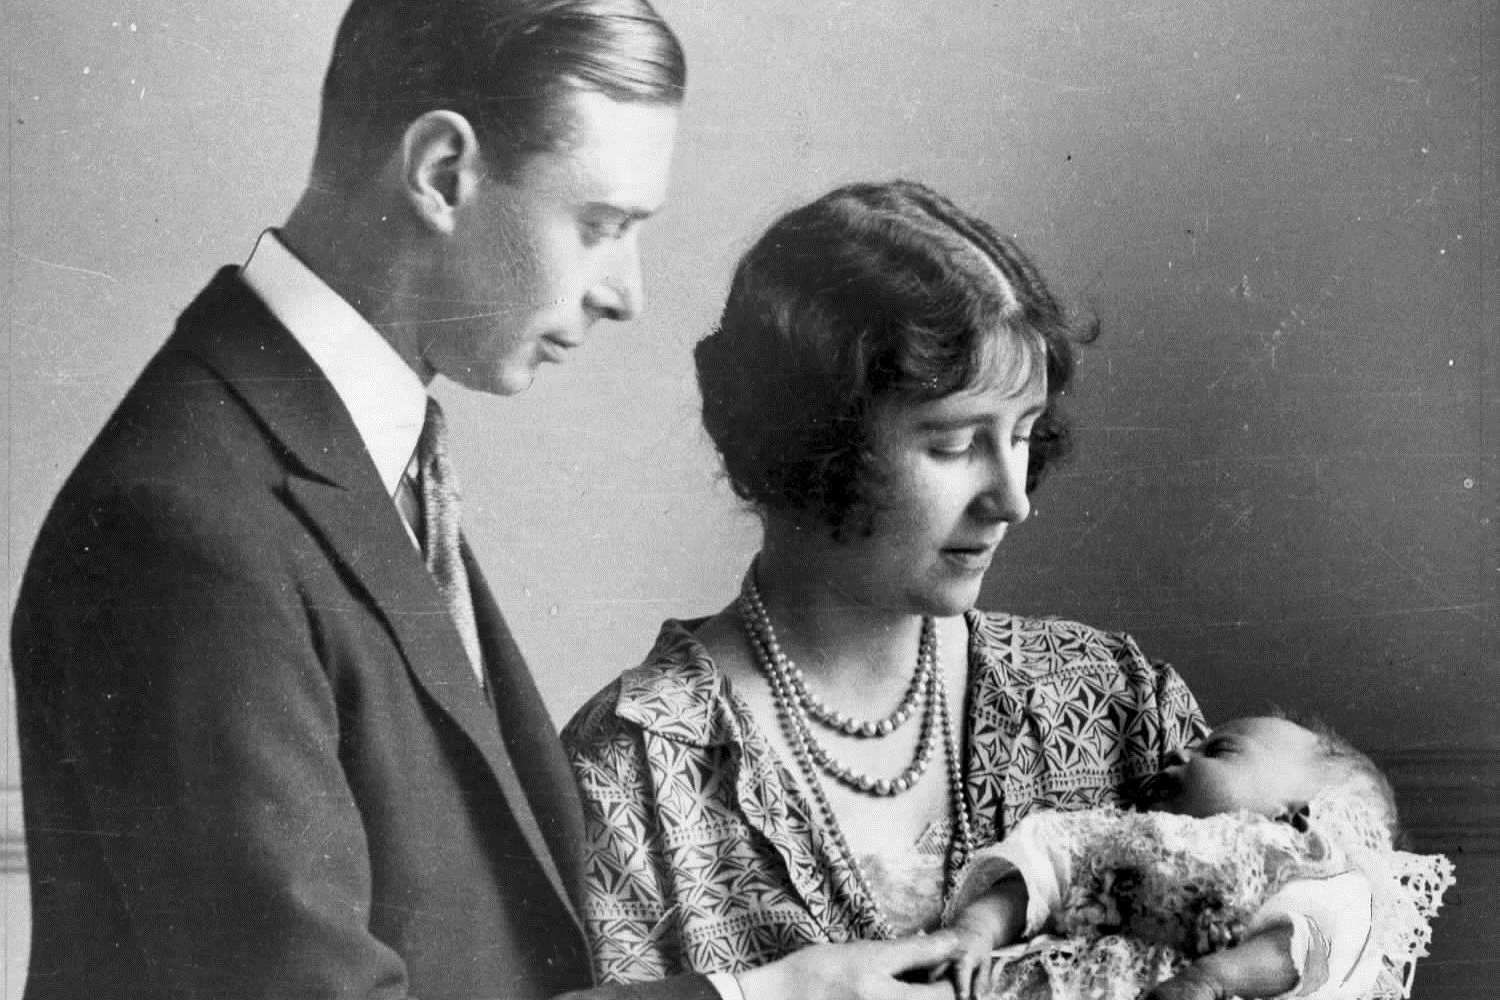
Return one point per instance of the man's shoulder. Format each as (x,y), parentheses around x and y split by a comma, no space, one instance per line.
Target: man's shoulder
(183,443)
(195,407)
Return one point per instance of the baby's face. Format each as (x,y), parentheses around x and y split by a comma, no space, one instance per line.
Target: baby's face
(1263,764)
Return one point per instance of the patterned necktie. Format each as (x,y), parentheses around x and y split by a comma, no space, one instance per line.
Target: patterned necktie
(440,536)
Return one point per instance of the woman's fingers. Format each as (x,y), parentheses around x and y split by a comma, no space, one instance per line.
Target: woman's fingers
(923,952)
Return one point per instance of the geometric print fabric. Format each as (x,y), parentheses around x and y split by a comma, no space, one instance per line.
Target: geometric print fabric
(703,853)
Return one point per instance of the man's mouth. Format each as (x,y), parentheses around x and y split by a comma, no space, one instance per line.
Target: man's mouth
(555,349)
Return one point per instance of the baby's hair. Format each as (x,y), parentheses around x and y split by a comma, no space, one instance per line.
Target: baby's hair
(1351,769)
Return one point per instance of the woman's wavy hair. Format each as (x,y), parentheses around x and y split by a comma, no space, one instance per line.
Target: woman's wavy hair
(872,295)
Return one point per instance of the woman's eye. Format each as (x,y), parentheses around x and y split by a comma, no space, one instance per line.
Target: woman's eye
(953,447)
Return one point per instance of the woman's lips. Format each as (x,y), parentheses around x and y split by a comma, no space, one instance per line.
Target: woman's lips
(970,559)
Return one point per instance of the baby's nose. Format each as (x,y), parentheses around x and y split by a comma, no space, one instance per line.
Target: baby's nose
(1174,758)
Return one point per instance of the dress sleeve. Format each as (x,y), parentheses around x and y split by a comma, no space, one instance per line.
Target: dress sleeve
(626,914)
(1066,716)
(1182,722)
(1332,944)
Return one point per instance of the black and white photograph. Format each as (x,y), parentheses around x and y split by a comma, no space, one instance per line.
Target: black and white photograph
(684,500)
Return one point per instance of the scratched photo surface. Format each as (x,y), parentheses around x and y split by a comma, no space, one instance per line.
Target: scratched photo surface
(1281,214)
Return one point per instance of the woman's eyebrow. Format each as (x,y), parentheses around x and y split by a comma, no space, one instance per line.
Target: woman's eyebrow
(959,421)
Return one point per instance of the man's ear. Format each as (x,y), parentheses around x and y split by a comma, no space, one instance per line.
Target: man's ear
(441,168)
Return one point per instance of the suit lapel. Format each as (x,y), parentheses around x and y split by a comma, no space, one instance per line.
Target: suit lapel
(335,485)
(377,552)
(527,729)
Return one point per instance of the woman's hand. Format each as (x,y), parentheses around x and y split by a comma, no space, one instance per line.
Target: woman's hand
(1193,983)
(991,920)
(979,929)
(861,970)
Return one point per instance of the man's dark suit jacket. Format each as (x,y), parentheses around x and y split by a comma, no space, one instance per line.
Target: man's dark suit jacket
(255,760)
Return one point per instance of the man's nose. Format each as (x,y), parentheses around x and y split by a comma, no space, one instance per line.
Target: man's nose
(618,293)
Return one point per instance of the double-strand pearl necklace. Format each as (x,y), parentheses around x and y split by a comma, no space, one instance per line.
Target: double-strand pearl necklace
(796,705)
(792,708)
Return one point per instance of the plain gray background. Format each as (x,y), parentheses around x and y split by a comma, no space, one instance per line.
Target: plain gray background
(1280,212)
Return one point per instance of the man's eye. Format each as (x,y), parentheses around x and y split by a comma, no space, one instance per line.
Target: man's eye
(605,229)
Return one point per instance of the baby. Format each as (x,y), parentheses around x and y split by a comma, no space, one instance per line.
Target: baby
(1264,864)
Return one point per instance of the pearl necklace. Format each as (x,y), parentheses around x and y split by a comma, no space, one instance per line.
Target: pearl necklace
(812,757)
(791,675)
(795,704)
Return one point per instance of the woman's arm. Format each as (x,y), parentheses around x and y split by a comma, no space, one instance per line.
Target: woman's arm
(1311,934)
(1260,966)
(631,934)
(628,913)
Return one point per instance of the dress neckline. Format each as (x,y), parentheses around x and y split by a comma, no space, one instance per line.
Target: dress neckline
(896,884)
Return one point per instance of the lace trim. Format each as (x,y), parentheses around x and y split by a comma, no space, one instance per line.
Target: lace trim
(908,885)
(1228,866)
(1407,888)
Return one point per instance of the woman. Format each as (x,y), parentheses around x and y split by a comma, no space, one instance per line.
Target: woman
(817,761)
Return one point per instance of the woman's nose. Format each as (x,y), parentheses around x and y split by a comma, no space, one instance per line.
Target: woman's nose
(1005,497)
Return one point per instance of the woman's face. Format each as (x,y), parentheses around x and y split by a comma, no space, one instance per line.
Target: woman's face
(953,480)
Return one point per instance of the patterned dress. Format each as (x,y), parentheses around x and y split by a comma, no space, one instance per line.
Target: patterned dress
(705,854)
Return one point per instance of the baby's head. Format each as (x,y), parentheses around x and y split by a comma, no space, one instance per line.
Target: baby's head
(1269,765)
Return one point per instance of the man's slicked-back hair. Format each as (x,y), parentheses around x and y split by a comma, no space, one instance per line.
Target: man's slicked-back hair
(505,65)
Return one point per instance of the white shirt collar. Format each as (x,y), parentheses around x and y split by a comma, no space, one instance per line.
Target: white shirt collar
(385,398)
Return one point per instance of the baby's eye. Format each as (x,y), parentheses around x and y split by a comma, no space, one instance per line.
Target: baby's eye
(1216,748)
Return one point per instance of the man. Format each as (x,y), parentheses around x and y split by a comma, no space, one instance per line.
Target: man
(276,739)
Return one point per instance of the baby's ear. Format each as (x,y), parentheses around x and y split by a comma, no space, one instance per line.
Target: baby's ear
(1296,814)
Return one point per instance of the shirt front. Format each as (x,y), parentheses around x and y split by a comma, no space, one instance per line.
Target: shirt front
(384,397)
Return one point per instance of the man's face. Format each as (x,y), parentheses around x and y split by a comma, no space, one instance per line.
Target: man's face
(540,255)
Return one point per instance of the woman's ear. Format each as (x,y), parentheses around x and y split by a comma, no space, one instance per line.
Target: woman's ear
(441,168)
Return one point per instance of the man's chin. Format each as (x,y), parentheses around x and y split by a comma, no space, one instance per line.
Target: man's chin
(514,384)
(495,382)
